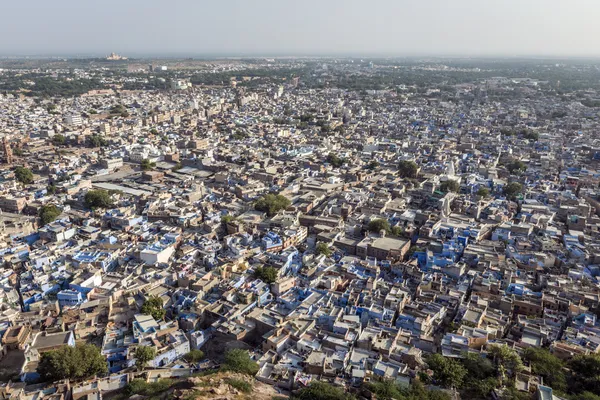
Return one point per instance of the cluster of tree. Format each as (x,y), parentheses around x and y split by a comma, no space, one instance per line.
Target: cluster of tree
(483,192)
(24,175)
(143,355)
(147,165)
(335,160)
(591,103)
(97,199)
(96,141)
(119,109)
(372,165)
(559,114)
(59,140)
(49,213)
(516,166)
(272,204)
(388,390)
(79,362)
(238,360)
(476,376)
(194,356)
(266,274)
(407,169)
(154,306)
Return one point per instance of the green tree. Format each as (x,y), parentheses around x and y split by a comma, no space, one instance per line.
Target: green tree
(548,366)
(97,199)
(386,390)
(450,186)
(585,376)
(272,204)
(80,362)
(266,274)
(96,141)
(407,169)
(24,175)
(378,225)
(154,306)
(51,189)
(512,190)
(322,391)
(372,165)
(446,371)
(147,165)
(334,160)
(177,166)
(59,140)
(49,213)
(516,167)
(143,355)
(483,192)
(322,248)
(238,360)
(194,356)
(507,361)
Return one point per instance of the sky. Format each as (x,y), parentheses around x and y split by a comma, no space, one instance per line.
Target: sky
(301,27)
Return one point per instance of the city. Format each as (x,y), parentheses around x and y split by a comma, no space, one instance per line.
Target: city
(315,227)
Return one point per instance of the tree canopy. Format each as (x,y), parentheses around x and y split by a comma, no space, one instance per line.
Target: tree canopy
(322,391)
(49,213)
(512,190)
(407,169)
(154,306)
(446,371)
(79,362)
(450,186)
(272,204)
(194,356)
(322,248)
(97,199)
(378,225)
(335,160)
(238,360)
(483,192)
(96,141)
(24,175)
(266,274)
(147,165)
(143,355)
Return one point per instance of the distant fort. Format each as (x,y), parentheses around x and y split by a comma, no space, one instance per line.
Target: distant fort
(115,57)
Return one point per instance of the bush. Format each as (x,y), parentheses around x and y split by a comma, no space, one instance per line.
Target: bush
(239,384)
(141,387)
(321,391)
(272,204)
(237,360)
(24,175)
(49,213)
(80,362)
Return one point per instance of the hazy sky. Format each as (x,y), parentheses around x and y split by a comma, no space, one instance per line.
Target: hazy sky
(301,27)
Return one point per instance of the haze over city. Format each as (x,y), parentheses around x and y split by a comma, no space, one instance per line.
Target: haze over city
(309,27)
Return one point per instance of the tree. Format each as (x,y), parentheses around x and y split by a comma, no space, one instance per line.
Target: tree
(238,360)
(585,375)
(321,391)
(512,190)
(272,204)
(507,361)
(194,356)
(80,362)
(323,249)
(266,274)
(143,355)
(177,166)
(334,160)
(407,169)
(147,165)
(49,213)
(450,186)
(96,141)
(385,390)
(378,225)
(225,219)
(548,366)
(97,199)
(59,140)
(483,192)
(24,175)
(154,306)
(372,165)
(516,167)
(446,371)
(51,189)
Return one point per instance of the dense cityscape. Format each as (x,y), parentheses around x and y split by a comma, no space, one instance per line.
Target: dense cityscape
(304,228)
